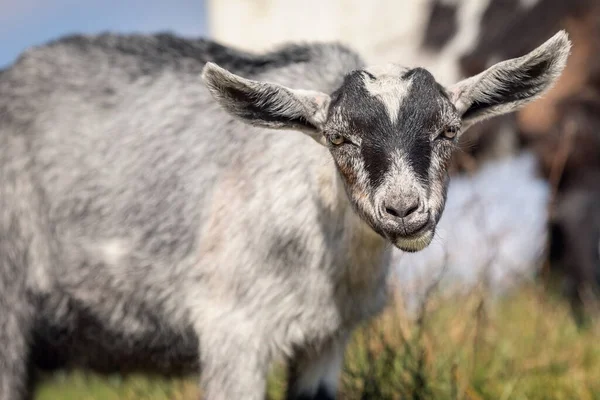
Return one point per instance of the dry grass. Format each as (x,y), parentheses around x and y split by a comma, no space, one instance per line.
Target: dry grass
(525,346)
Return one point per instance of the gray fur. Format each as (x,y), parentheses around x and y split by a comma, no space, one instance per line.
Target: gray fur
(144,225)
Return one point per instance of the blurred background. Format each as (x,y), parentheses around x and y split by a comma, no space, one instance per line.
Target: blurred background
(503,303)
(25,23)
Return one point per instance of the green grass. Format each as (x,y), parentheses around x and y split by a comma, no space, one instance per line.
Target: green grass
(525,346)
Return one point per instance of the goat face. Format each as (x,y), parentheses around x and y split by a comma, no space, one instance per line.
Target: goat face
(391,130)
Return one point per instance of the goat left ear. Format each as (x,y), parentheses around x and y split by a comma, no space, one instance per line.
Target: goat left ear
(509,85)
(267,104)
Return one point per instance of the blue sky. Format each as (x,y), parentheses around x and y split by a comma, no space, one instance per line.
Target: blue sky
(25,23)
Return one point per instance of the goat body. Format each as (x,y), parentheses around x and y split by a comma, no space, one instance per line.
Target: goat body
(144,225)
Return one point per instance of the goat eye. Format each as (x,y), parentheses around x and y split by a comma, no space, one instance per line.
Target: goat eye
(335,139)
(450,132)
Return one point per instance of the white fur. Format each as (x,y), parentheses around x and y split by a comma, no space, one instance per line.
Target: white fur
(388,86)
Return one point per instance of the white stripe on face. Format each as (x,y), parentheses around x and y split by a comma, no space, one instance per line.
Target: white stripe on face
(388,87)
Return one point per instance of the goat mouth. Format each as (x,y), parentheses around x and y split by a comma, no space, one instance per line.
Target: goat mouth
(415,242)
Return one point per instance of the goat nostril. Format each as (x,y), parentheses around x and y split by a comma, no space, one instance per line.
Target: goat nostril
(402,211)
(411,209)
(392,212)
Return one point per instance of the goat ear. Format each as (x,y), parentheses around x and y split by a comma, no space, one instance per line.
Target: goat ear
(510,84)
(267,104)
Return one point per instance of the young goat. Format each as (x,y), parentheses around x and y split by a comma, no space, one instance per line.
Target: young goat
(146,225)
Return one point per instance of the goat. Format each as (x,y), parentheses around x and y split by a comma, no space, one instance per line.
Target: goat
(149,221)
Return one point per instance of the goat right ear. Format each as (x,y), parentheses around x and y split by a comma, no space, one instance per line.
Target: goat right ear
(267,104)
(511,84)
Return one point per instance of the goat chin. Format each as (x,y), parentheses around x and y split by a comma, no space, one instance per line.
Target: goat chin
(414,244)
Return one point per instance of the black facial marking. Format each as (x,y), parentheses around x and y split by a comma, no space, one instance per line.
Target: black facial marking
(417,120)
(510,89)
(368,119)
(419,117)
(419,157)
(377,160)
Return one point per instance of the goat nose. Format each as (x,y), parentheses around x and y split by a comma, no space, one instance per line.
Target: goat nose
(402,208)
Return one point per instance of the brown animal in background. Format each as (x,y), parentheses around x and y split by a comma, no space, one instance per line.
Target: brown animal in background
(562,128)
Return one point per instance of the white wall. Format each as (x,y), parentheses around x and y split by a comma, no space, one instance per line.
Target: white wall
(381,30)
